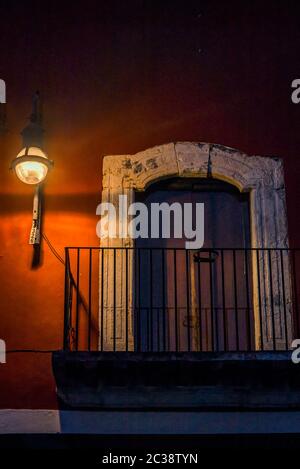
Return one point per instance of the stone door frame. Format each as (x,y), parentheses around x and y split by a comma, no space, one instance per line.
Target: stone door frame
(262,177)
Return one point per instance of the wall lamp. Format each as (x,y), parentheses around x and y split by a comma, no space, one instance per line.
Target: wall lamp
(31,164)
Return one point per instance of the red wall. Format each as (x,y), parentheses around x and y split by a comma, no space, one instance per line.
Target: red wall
(117,79)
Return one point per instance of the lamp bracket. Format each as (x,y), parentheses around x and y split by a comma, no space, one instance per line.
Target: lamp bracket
(35,233)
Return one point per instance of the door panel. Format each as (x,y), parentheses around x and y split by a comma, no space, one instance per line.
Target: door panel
(187,300)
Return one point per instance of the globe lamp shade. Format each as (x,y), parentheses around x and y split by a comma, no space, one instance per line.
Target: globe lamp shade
(31,165)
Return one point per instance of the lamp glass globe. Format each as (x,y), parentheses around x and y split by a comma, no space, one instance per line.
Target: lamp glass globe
(31,172)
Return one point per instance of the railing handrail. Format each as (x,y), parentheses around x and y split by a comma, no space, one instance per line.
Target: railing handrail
(183,249)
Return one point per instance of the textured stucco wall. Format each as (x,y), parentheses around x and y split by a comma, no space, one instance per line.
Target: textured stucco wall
(131,79)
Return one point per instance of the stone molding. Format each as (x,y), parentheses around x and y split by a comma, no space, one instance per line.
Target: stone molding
(262,177)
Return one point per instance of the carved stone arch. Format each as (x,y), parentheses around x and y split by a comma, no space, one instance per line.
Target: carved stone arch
(262,177)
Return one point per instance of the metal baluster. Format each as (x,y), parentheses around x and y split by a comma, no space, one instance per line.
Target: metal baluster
(114,293)
(235,302)
(224,303)
(151,303)
(199,305)
(101,308)
(248,303)
(138,315)
(212,312)
(164,298)
(296,315)
(284,300)
(77,298)
(126,300)
(67,324)
(272,300)
(90,300)
(175,291)
(259,299)
(188,298)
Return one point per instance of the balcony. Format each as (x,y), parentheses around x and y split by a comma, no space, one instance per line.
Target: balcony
(205,325)
(174,300)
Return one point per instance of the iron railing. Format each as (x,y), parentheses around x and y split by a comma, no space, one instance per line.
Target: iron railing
(168,299)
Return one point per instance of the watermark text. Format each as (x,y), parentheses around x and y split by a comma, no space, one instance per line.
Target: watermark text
(2,92)
(159,220)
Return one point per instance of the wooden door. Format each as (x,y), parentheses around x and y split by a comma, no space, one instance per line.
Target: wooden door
(196,301)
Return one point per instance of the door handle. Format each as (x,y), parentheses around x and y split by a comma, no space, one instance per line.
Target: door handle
(213,254)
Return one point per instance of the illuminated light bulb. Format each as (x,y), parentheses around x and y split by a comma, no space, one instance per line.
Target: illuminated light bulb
(31,165)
